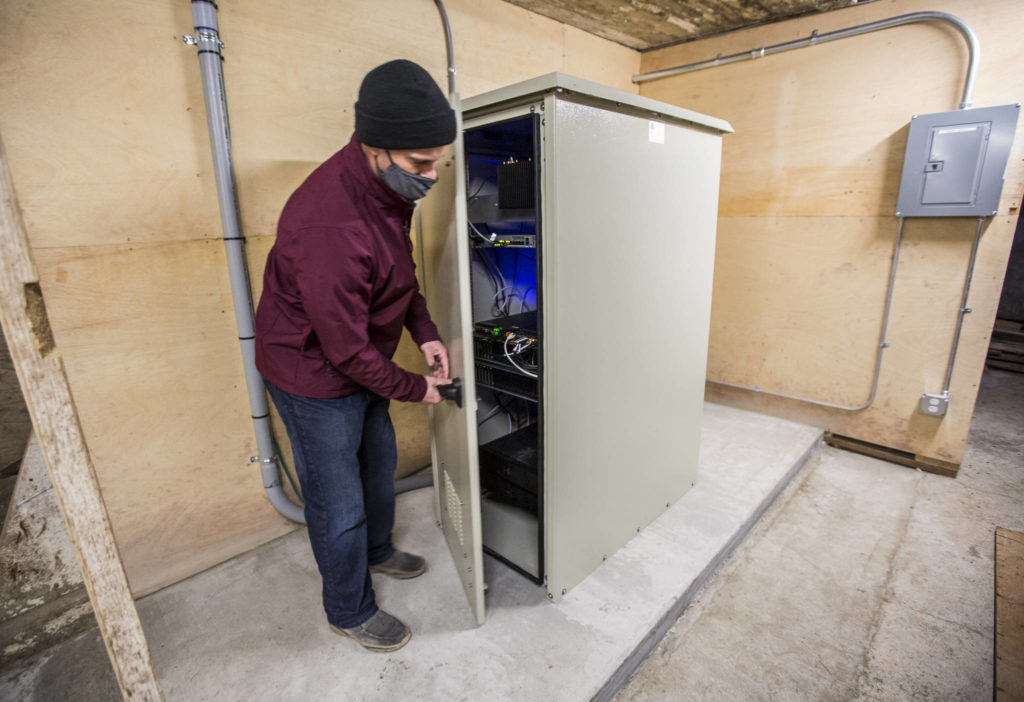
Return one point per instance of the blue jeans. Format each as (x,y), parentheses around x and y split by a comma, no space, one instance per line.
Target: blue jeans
(345,458)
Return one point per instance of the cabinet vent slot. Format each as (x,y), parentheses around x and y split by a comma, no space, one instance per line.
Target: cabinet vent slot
(454,506)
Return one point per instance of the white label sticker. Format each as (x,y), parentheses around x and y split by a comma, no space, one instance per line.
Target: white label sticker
(953,130)
(656,132)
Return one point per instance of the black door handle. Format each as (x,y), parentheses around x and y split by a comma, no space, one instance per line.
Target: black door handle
(452,391)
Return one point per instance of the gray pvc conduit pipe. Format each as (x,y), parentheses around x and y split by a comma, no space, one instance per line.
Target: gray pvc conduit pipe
(207,40)
(413,482)
(968,34)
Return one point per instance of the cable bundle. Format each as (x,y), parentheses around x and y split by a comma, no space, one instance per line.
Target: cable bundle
(521,344)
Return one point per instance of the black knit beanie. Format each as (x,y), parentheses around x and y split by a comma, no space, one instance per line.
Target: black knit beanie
(401,107)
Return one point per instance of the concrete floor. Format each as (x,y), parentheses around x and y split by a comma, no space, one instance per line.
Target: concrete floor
(865,580)
(252,628)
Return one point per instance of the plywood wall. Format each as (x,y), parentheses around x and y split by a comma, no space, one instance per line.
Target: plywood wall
(105,130)
(807,225)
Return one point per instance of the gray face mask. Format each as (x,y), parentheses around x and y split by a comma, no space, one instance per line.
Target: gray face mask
(409,185)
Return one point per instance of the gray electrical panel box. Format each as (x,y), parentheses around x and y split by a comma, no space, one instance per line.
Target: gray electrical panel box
(955,162)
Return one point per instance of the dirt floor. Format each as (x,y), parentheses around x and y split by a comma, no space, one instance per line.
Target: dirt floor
(15,426)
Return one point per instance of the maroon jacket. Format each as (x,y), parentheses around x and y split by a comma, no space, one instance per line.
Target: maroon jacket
(339,286)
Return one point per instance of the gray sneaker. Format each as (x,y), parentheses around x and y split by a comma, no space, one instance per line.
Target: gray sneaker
(401,565)
(381,632)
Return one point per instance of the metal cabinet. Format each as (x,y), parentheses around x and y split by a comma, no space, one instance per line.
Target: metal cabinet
(567,255)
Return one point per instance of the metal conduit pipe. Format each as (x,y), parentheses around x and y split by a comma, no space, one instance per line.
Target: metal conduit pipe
(448,46)
(815,38)
(974,51)
(207,40)
(964,309)
(882,346)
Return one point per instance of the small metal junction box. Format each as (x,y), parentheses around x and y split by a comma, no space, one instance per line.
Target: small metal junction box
(934,404)
(955,162)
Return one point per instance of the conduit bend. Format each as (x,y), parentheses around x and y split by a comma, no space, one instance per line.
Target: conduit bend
(448,46)
(883,344)
(974,51)
(207,40)
(968,34)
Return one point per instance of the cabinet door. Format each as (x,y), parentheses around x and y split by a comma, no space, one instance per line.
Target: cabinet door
(444,257)
(630,213)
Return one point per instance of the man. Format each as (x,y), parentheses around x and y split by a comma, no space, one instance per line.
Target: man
(339,286)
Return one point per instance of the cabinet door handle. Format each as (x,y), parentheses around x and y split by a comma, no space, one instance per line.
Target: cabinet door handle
(452,391)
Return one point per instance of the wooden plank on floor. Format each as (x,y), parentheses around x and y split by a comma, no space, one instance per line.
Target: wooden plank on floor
(1009,643)
(885,453)
(1004,365)
(44,382)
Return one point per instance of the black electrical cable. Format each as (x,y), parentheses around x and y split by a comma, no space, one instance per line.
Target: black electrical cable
(487,269)
(483,182)
(506,410)
(490,267)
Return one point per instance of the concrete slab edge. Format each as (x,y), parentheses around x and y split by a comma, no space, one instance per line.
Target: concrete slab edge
(626,669)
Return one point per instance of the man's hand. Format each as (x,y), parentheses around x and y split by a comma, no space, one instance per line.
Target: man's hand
(432,396)
(437,358)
